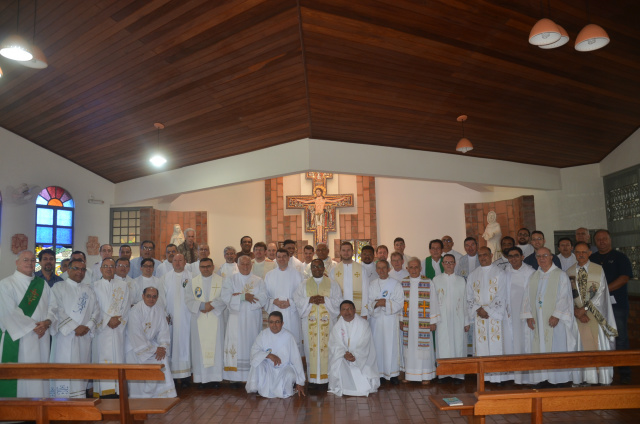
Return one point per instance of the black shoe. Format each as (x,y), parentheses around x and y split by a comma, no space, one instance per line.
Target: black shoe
(395,381)
(201,386)
(184,383)
(457,381)
(625,379)
(381,381)
(213,385)
(237,385)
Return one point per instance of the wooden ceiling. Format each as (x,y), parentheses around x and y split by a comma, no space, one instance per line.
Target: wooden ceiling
(229,77)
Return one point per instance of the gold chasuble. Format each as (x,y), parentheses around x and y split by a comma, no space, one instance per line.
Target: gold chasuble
(318,329)
(357,282)
(585,286)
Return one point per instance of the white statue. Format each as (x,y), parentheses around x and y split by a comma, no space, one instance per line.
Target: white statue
(492,234)
(177,237)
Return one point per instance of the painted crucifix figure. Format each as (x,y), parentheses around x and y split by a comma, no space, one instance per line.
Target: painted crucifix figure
(320,217)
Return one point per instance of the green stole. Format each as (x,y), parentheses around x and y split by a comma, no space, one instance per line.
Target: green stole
(429,272)
(10,348)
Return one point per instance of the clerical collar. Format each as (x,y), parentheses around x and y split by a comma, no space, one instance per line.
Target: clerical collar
(20,275)
(550,268)
(318,279)
(486,267)
(205,279)
(471,257)
(243,277)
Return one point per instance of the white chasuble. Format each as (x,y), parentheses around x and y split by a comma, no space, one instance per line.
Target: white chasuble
(148,330)
(173,294)
(76,305)
(317,322)
(266,378)
(108,344)
(384,324)
(421,309)
(451,339)
(549,295)
(354,284)
(207,328)
(358,378)
(282,285)
(245,322)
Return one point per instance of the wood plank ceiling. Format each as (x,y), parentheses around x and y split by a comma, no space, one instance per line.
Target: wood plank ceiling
(228,77)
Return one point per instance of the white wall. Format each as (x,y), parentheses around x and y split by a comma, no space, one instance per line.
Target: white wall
(24,162)
(624,156)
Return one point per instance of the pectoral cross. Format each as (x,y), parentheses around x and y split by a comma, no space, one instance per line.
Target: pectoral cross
(320,207)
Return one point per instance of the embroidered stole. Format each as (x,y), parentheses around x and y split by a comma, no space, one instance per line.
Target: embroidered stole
(356,280)
(231,336)
(10,347)
(318,324)
(494,327)
(207,323)
(546,304)
(587,285)
(424,312)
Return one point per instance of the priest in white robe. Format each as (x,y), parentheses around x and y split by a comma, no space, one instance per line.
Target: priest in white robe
(281,285)
(353,367)
(202,296)
(566,255)
(322,253)
(25,317)
(420,316)
(548,308)
(398,269)
(146,279)
(77,313)
(108,344)
(470,261)
(486,309)
(167,265)
(260,263)
(147,342)
(173,294)
(229,267)
(245,296)
(517,276)
(597,328)
(318,301)
(352,279)
(386,300)
(276,366)
(88,277)
(122,270)
(367,256)
(294,262)
(203,252)
(451,337)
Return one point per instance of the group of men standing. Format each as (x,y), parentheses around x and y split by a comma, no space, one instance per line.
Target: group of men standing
(357,324)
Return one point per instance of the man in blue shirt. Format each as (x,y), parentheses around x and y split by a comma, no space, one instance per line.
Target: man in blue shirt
(47,260)
(617,268)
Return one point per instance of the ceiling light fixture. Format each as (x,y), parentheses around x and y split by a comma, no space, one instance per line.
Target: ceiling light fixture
(158,159)
(38,61)
(591,37)
(15,47)
(564,39)
(545,31)
(464,145)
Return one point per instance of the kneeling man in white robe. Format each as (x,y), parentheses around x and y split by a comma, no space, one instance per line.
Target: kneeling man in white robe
(276,364)
(147,341)
(353,366)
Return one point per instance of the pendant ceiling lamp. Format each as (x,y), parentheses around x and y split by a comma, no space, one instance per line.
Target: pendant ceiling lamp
(158,159)
(564,39)
(464,145)
(592,37)
(38,59)
(545,31)
(15,47)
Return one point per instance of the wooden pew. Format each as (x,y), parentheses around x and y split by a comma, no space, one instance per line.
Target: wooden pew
(44,410)
(573,399)
(123,409)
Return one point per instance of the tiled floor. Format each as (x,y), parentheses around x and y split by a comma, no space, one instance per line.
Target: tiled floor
(407,403)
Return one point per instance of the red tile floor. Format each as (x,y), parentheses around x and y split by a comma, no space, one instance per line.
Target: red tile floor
(403,404)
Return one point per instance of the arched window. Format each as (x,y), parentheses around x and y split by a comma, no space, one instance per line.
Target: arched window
(54,222)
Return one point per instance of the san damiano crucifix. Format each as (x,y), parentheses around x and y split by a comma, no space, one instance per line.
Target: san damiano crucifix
(320,207)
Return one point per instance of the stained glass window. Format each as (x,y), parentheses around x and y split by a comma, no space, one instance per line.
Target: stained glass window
(54,222)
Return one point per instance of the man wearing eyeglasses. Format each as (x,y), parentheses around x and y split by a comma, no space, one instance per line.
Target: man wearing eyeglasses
(276,366)
(147,250)
(88,277)
(114,301)
(106,251)
(524,237)
(78,314)
(505,244)
(538,241)
(448,243)
(451,340)
(122,269)
(433,264)
(147,279)
(548,308)
(25,317)
(167,265)
(517,276)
